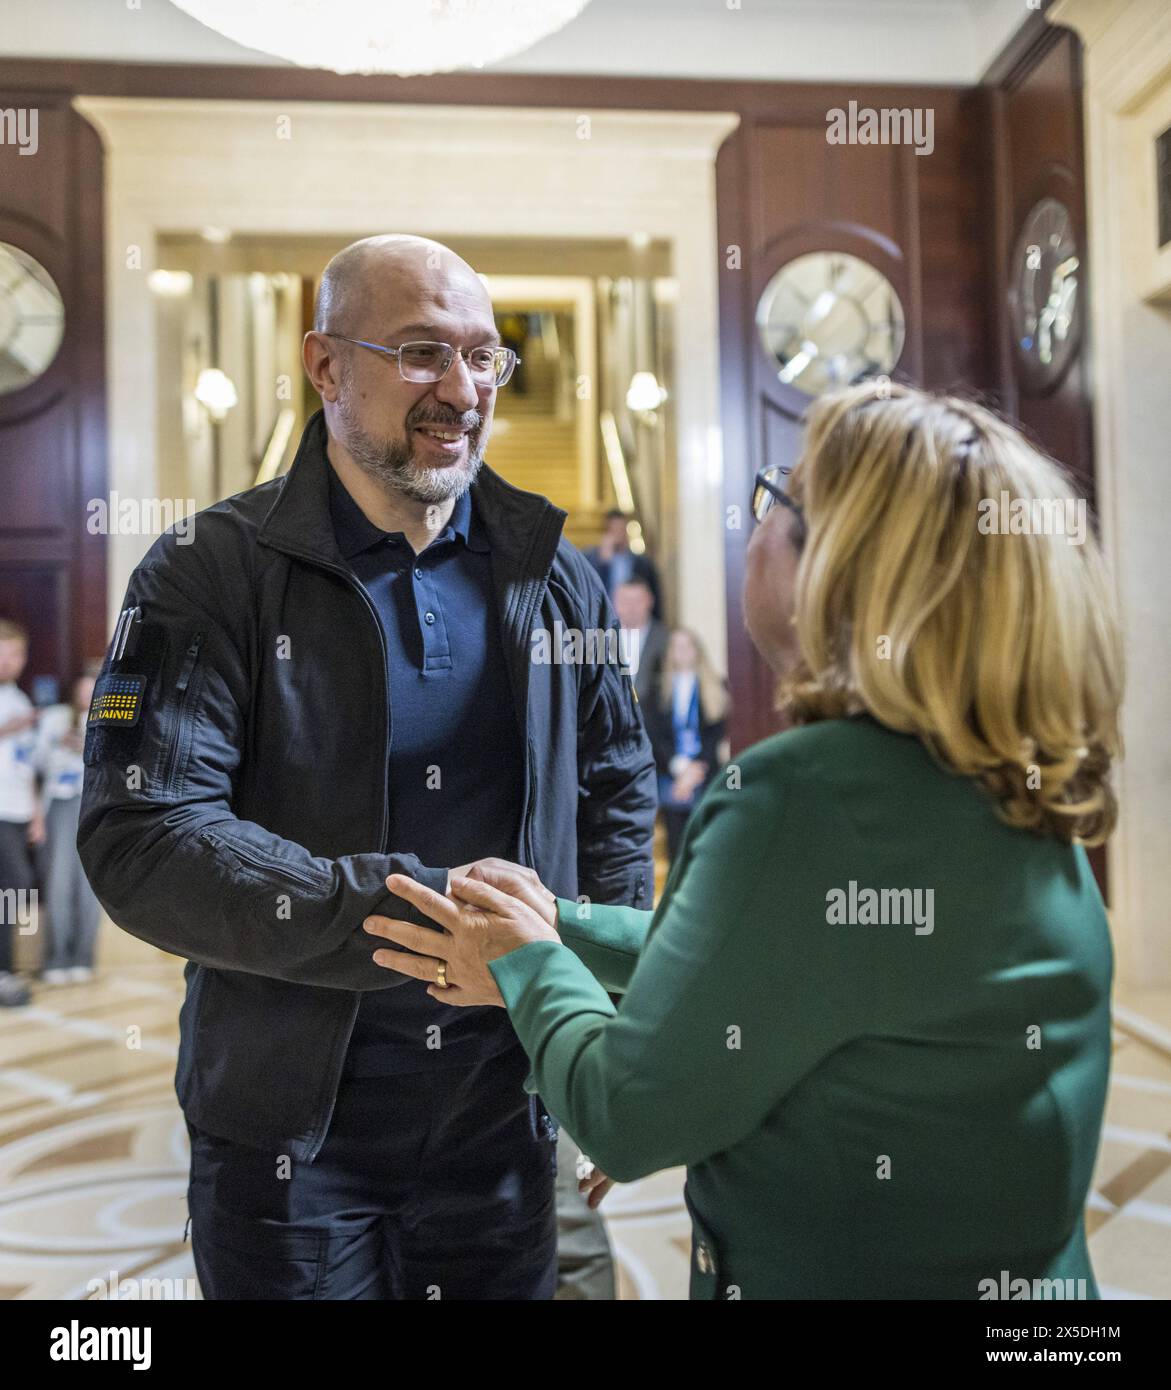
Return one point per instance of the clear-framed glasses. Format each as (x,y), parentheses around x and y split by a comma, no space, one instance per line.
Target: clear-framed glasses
(424,361)
(772,487)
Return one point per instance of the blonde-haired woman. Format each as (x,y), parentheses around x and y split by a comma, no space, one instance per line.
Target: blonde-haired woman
(870,1013)
(686,723)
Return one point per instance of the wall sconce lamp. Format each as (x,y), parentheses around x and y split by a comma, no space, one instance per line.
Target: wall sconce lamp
(644,396)
(216,392)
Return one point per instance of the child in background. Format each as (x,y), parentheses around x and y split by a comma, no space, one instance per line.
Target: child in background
(21,824)
(74,912)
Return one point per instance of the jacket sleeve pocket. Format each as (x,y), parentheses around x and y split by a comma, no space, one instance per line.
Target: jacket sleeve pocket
(185,698)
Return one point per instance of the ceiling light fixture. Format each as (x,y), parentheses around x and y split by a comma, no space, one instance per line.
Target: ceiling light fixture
(396,36)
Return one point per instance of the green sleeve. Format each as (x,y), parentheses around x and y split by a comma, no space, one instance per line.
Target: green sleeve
(727,1007)
(607,940)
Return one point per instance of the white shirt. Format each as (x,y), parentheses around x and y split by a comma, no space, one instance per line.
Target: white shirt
(60,766)
(682,689)
(17,758)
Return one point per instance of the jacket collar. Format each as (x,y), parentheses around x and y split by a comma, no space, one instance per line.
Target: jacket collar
(522,528)
(355,531)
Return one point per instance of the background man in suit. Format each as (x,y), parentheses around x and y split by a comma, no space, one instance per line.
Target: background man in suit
(634,603)
(614,560)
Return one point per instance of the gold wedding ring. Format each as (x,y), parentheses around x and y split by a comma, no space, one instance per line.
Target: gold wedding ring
(441,975)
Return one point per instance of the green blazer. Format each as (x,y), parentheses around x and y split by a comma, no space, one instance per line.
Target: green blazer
(876,1095)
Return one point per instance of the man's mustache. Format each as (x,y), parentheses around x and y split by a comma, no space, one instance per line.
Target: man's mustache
(470,420)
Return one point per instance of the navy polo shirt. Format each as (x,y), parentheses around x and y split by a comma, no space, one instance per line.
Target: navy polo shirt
(456,759)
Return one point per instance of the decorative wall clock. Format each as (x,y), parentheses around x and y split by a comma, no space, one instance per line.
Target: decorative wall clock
(32,319)
(1044,298)
(829,319)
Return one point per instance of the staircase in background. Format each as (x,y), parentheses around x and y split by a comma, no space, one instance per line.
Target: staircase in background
(536,451)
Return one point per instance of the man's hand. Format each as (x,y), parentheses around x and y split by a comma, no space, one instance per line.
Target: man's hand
(592,1183)
(513,879)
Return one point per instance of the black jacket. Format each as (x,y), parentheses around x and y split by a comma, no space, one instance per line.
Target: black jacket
(239,817)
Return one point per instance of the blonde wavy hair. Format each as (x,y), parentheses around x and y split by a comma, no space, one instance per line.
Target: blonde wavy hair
(1001,652)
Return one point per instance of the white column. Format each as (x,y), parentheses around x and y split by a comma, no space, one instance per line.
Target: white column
(1127,103)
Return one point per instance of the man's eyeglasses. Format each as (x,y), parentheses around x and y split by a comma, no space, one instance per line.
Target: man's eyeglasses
(487,366)
(770,489)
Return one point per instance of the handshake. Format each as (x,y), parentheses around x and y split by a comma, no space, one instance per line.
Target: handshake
(513,879)
(491,907)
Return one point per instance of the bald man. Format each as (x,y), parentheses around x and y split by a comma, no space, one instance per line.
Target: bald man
(335,679)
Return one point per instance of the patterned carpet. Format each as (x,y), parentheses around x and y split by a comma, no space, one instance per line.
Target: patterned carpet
(93,1152)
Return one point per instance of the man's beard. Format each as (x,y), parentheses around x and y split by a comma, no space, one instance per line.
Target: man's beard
(391,463)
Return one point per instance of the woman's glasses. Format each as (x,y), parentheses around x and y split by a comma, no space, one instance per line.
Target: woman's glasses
(422,361)
(770,489)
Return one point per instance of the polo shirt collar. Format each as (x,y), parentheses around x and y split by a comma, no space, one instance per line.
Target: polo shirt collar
(355,531)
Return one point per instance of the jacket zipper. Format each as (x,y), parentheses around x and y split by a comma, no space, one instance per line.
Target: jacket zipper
(261,861)
(525,628)
(181,687)
(339,1056)
(365,597)
(527,834)
(526,826)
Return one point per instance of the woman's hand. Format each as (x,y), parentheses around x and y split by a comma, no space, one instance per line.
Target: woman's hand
(515,879)
(480,924)
(688,780)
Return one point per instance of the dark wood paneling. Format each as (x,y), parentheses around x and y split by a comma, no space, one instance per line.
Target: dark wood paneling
(1040,153)
(34,591)
(572,92)
(52,433)
(921,219)
(1034,96)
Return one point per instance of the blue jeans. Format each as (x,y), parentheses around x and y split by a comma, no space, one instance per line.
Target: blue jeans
(431,1185)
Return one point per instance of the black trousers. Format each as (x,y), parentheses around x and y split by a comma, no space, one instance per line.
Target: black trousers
(16,873)
(436,1185)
